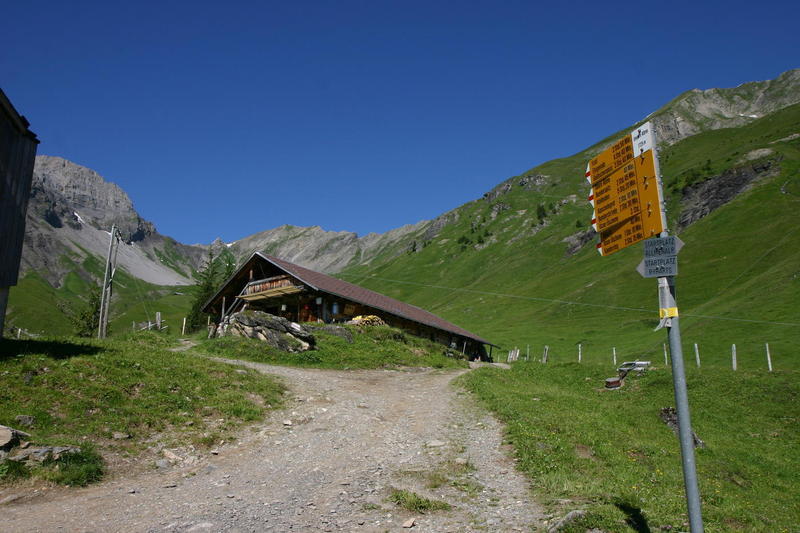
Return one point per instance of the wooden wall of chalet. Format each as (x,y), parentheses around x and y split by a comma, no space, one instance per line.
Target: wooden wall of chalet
(17,153)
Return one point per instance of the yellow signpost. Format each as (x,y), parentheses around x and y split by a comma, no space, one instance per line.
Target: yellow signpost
(626,192)
(628,208)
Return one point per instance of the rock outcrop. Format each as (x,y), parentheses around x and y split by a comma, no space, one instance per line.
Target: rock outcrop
(698,110)
(62,191)
(276,331)
(701,199)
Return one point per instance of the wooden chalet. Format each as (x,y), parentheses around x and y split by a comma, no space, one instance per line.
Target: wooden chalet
(278,287)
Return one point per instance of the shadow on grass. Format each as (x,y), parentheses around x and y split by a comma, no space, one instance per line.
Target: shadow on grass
(52,348)
(633,517)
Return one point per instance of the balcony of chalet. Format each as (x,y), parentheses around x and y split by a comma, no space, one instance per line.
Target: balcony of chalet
(269,288)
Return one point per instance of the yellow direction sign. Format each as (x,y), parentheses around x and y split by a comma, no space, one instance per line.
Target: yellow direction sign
(626,191)
(611,159)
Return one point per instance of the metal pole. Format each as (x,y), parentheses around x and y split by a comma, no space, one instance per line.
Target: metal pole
(580,354)
(667,288)
(733,356)
(697,355)
(666,361)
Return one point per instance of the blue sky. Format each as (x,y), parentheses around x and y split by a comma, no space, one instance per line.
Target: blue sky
(227,118)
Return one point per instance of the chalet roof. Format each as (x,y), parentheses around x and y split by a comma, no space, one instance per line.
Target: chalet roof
(349,291)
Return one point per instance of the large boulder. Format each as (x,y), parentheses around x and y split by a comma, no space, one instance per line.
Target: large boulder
(276,331)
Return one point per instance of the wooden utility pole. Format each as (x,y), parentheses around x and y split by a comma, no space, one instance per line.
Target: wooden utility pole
(108,279)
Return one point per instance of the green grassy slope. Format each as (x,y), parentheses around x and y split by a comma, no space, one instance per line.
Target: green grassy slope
(610,454)
(738,282)
(37,307)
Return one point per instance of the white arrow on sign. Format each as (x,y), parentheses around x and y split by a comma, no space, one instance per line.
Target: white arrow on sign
(640,268)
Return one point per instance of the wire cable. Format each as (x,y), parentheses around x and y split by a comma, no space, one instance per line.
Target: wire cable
(584,304)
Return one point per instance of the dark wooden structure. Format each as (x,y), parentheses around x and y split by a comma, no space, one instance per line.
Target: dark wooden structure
(299,294)
(17,153)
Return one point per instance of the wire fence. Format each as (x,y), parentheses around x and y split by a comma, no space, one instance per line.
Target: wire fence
(756,356)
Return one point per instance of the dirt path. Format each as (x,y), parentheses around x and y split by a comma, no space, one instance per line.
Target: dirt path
(325,463)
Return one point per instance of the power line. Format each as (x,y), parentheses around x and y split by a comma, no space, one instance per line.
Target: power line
(569,302)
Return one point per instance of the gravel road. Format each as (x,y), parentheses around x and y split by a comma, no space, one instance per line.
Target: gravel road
(327,462)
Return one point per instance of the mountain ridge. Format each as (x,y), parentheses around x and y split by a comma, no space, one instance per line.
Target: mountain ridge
(65,220)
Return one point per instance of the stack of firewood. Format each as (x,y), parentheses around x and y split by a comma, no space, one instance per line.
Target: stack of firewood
(367,320)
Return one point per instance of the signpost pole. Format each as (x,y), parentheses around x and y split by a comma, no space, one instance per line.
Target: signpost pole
(628,207)
(682,407)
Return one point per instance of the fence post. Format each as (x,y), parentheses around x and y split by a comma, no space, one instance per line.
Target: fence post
(666,361)
(580,354)
(183,329)
(733,356)
(614,351)
(696,355)
(769,358)
(544,355)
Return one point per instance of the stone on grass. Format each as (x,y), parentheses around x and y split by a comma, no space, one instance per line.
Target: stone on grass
(25,420)
(568,519)
(10,437)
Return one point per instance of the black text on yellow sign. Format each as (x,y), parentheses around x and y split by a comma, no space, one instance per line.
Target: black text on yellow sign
(611,159)
(627,204)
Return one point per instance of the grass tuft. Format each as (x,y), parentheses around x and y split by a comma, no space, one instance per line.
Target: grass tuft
(76,469)
(412,501)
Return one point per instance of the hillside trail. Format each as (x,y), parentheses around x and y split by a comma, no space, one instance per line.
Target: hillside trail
(326,461)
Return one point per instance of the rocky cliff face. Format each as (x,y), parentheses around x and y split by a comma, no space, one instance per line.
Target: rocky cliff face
(60,189)
(70,213)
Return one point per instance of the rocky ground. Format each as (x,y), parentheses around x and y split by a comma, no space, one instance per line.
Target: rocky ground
(327,462)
